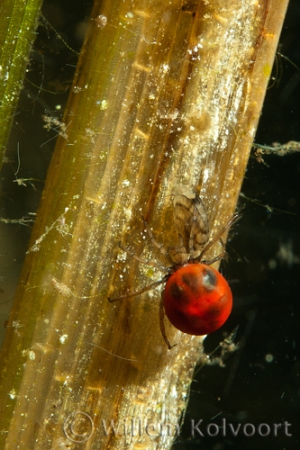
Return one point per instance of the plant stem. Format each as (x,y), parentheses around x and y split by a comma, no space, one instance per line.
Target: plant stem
(18,22)
(166,93)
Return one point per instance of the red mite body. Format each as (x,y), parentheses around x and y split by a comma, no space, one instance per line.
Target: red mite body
(197,299)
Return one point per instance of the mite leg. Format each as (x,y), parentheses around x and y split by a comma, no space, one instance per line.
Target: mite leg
(162,325)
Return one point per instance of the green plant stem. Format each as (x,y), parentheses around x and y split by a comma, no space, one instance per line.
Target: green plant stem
(18,22)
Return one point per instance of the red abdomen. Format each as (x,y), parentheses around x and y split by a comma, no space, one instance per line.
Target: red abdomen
(197,299)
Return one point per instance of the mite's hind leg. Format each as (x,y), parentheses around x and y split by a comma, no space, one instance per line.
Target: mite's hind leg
(162,325)
(133,294)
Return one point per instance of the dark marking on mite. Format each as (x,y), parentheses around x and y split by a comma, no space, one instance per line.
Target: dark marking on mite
(192,281)
(176,291)
(209,280)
